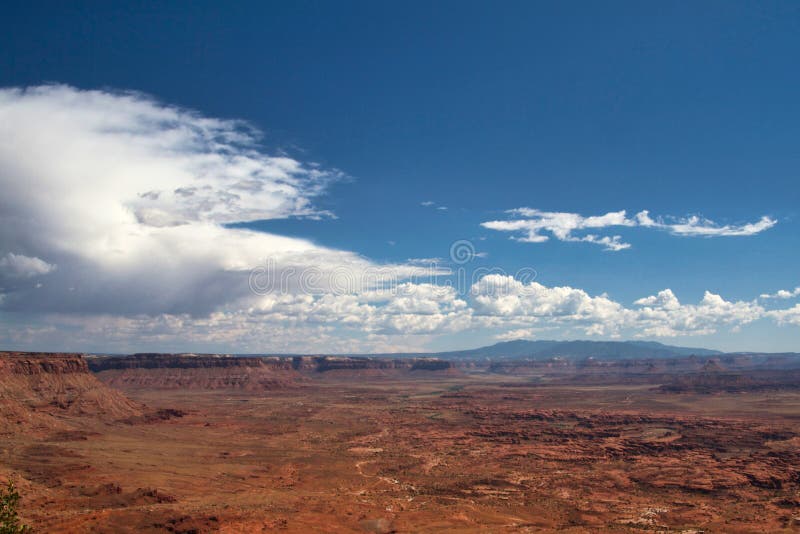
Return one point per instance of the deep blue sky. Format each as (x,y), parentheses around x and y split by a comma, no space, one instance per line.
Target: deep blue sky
(679,108)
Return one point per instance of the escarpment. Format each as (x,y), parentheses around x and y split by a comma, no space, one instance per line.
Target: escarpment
(250,373)
(189,371)
(42,390)
(184,361)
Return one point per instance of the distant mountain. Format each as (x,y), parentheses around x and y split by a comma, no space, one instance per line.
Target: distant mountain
(542,349)
(546,349)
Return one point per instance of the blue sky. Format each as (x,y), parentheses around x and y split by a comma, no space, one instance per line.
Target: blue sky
(681,109)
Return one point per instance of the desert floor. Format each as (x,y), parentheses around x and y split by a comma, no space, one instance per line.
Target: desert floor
(473,453)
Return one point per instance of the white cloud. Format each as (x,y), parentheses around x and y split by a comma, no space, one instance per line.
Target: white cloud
(790,316)
(19,265)
(612,243)
(424,261)
(499,295)
(532,226)
(432,204)
(697,226)
(408,308)
(665,300)
(520,333)
(129,198)
(663,315)
(511,303)
(221,332)
(782,294)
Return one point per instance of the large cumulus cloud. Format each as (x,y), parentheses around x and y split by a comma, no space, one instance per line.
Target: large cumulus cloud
(128,197)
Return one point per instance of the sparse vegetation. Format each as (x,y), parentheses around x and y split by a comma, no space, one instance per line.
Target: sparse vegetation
(9,519)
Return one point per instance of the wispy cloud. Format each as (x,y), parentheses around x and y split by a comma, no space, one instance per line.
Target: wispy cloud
(424,261)
(537,226)
(698,226)
(432,204)
(782,294)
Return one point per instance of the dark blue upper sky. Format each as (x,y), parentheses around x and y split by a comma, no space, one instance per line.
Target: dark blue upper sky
(679,108)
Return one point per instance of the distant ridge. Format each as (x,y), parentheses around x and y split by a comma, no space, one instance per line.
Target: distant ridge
(578,349)
(607,350)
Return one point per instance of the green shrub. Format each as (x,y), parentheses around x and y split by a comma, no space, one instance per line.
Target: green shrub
(9,520)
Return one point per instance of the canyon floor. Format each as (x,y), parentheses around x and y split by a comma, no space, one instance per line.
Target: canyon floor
(467,453)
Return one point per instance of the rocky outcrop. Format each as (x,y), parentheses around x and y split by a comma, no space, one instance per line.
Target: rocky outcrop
(29,363)
(42,390)
(690,453)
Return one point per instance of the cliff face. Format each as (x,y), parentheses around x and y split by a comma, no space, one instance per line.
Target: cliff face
(177,361)
(250,373)
(38,390)
(27,363)
(189,371)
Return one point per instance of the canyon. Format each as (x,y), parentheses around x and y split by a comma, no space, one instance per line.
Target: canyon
(221,443)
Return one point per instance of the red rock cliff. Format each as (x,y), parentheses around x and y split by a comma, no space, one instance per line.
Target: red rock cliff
(38,390)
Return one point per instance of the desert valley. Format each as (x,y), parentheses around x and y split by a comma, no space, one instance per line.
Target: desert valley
(464,442)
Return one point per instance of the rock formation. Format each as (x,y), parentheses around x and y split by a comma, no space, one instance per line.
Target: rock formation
(251,373)
(189,371)
(42,390)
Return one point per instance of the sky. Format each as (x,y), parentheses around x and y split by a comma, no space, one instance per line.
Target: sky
(346,177)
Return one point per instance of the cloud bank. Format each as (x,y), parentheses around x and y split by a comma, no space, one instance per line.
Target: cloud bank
(114,234)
